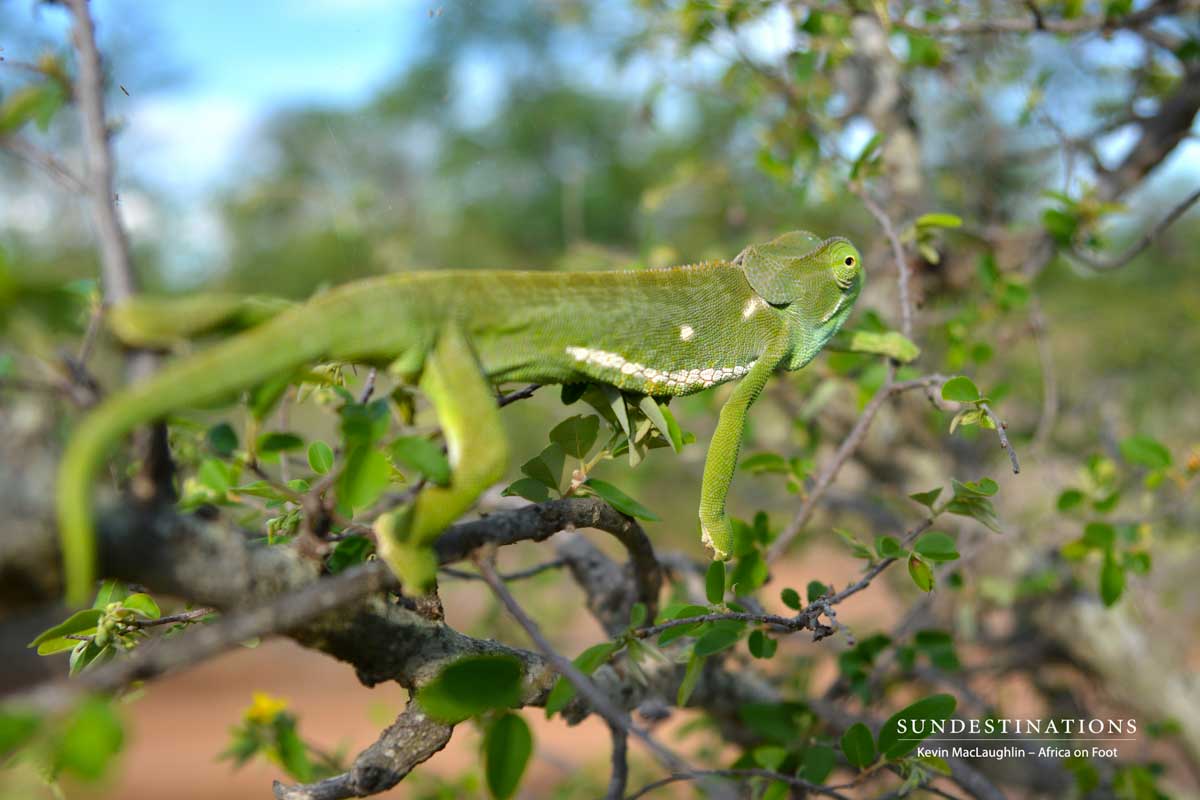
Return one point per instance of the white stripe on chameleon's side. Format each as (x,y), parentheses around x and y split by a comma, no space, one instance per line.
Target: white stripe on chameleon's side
(669,379)
(686,332)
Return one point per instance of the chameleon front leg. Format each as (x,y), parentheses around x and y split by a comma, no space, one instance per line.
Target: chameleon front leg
(466,408)
(716,532)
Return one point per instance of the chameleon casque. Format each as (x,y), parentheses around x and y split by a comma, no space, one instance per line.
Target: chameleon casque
(661,332)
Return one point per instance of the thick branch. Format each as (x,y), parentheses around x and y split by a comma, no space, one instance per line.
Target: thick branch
(411,740)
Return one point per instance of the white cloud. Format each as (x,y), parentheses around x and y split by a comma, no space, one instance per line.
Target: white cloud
(185,144)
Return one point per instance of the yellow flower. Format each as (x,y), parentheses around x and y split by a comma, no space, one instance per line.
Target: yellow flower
(265,708)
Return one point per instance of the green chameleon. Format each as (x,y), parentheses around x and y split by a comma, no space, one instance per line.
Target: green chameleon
(660,332)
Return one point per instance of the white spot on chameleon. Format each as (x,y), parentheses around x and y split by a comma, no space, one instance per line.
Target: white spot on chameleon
(686,332)
(753,306)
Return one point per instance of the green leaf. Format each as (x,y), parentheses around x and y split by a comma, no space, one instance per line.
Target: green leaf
(215,475)
(364,424)
(576,435)
(547,466)
(88,653)
(769,756)
(222,439)
(898,736)
(927,499)
(888,547)
(1070,498)
(619,500)
(815,591)
(424,456)
(857,548)
(791,599)
(939,221)
(1146,452)
(349,552)
(80,623)
(320,457)
(532,490)
(691,676)
(506,748)
(960,389)
(470,686)
(971,500)
(858,745)
(866,155)
(143,604)
(655,414)
(761,645)
(716,640)
(92,736)
(16,728)
(587,662)
(1112,580)
(293,755)
(637,615)
(817,763)
(1099,535)
(936,546)
(921,572)
(111,591)
(678,631)
(364,478)
(714,582)
(278,442)
(984,487)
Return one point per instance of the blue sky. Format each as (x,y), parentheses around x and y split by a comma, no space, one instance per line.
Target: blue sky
(223,65)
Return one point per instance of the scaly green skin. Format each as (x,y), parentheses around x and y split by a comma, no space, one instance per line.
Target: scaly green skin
(664,333)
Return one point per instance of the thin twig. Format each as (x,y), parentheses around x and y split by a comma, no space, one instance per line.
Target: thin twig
(600,704)
(1107,265)
(1000,431)
(1041,337)
(33,155)
(368,387)
(520,394)
(903,272)
(620,765)
(171,619)
(853,439)
(507,577)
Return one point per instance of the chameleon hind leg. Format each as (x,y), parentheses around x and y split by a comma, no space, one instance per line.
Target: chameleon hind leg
(465,405)
(716,532)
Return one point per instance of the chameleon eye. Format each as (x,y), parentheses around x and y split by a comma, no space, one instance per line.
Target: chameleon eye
(849,261)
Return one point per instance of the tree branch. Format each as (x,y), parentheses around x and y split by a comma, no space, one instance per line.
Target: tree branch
(1147,239)
(846,449)
(411,740)
(120,283)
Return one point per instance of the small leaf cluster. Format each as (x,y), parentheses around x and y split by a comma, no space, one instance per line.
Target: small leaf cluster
(270,731)
(94,635)
(635,423)
(81,744)
(1120,548)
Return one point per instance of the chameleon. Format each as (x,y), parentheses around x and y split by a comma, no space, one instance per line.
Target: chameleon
(662,332)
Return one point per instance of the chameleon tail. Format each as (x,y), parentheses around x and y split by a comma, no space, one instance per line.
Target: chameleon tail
(281,344)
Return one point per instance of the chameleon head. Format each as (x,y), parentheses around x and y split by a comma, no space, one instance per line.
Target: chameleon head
(814,284)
